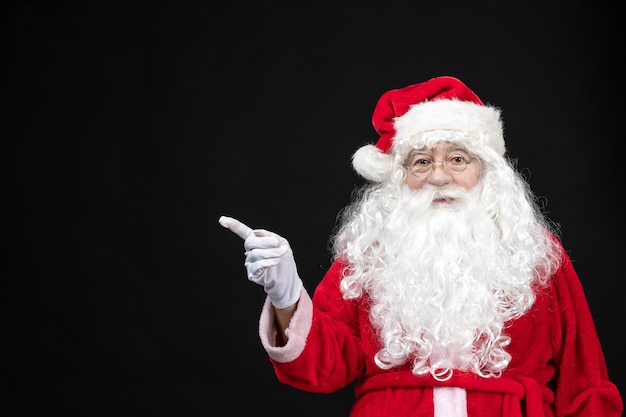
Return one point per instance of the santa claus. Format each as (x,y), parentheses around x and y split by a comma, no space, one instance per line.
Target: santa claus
(450,293)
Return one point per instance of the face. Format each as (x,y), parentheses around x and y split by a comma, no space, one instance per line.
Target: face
(443,164)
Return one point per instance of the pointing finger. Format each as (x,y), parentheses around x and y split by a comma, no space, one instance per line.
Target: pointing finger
(235,226)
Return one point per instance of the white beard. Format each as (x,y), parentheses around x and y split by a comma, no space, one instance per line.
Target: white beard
(437,297)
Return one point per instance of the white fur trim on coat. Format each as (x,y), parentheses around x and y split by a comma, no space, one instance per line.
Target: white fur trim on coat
(298,329)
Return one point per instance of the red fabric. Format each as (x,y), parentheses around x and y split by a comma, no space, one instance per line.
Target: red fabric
(557,368)
(395,103)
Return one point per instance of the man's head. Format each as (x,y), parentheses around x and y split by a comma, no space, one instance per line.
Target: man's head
(419,116)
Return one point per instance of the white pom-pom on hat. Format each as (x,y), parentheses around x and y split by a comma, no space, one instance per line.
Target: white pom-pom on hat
(372,163)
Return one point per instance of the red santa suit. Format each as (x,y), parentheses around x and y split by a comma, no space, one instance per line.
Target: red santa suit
(557,366)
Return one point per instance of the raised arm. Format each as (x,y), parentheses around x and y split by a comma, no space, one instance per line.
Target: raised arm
(270,263)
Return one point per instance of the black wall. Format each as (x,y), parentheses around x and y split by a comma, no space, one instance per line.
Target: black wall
(129,128)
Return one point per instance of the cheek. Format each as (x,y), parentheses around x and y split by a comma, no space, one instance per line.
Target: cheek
(468,182)
(414,183)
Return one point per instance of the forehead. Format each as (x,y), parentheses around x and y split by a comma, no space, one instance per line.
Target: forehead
(440,147)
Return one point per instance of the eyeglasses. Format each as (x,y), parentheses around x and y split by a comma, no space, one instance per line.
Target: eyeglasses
(422,165)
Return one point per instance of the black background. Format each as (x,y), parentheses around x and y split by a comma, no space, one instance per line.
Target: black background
(128,128)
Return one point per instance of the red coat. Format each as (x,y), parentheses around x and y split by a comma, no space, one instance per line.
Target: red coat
(557,367)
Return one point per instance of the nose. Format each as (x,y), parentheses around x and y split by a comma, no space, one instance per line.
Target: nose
(438,176)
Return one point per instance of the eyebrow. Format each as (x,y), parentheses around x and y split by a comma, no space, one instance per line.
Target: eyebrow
(448,149)
(454,147)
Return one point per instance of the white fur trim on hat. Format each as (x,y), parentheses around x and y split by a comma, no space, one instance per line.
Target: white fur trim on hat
(481,124)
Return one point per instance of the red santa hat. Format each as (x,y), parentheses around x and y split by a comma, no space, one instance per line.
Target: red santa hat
(405,117)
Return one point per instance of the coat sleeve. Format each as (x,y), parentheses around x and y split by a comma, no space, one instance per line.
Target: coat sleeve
(583,388)
(324,351)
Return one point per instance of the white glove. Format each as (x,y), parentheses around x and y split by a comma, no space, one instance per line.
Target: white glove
(269,262)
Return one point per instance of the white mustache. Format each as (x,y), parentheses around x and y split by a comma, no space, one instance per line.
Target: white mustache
(450,192)
(422,199)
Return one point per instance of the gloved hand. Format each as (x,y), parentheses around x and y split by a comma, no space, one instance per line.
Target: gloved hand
(269,262)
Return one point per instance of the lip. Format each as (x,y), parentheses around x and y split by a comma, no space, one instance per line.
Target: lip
(442,200)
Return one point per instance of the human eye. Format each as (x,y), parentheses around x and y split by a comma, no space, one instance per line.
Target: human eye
(457,160)
(421,160)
